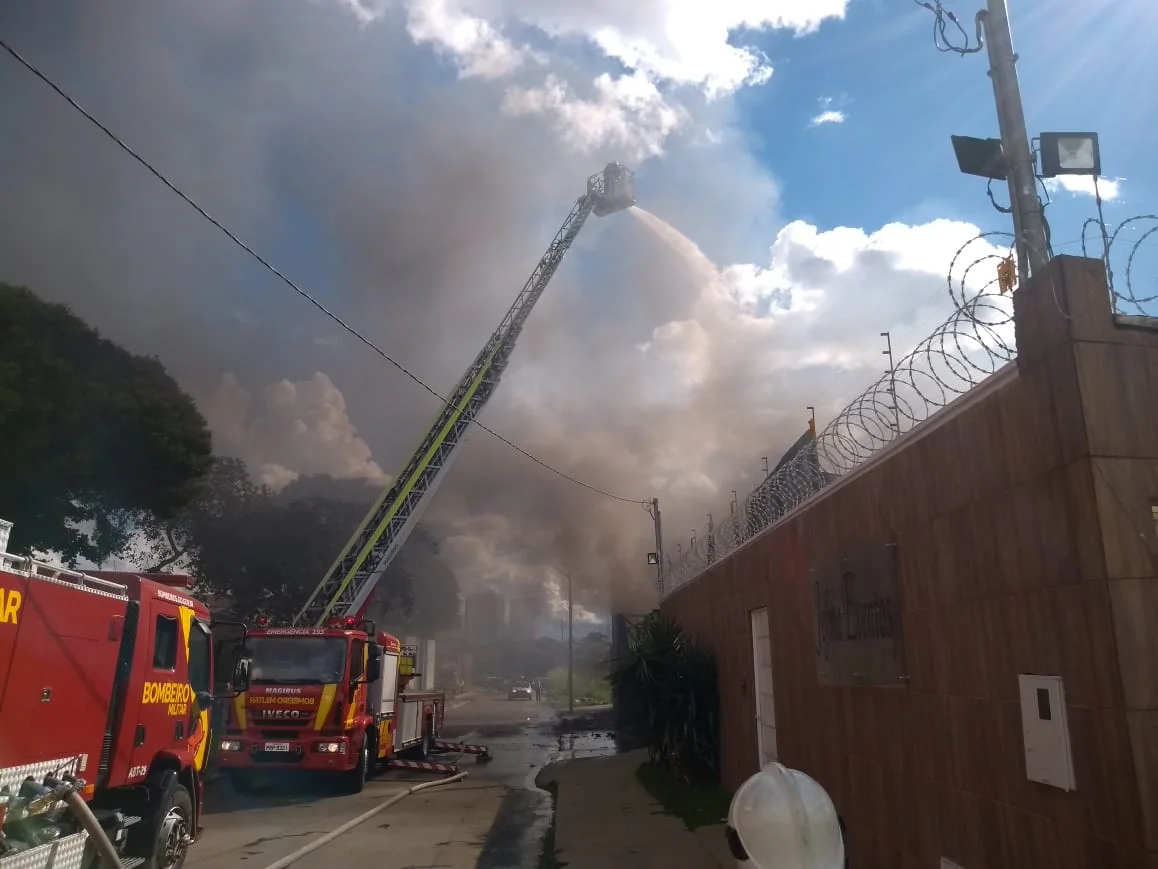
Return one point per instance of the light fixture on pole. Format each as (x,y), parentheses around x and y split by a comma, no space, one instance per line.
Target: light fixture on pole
(1069,154)
(1077,154)
(980,157)
(1010,157)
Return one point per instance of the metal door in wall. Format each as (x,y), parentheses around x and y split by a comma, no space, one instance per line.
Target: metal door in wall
(765,696)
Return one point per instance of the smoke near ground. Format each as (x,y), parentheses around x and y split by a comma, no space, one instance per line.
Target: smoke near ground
(410,170)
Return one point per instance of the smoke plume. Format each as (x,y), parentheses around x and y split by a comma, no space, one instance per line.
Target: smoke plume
(409,170)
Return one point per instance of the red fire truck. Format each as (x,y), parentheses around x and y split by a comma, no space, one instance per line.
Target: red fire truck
(105,693)
(331,699)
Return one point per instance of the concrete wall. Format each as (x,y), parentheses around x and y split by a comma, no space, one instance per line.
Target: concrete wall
(1025,544)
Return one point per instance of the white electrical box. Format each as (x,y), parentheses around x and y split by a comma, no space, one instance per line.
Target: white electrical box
(1046,732)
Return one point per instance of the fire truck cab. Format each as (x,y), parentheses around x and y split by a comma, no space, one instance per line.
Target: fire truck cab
(105,687)
(333,699)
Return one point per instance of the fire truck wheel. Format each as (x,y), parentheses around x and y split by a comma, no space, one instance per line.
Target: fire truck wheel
(356,778)
(174,833)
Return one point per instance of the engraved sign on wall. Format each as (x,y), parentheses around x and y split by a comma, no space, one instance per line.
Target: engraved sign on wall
(856,599)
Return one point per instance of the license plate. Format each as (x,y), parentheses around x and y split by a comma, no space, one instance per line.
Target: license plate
(277,746)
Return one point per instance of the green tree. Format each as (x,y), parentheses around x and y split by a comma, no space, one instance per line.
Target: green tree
(93,439)
(257,551)
(200,532)
(675,681)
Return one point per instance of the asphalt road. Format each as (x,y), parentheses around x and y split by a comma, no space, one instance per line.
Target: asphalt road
(495,819)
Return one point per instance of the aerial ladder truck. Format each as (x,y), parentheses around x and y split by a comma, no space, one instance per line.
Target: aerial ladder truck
(329,692)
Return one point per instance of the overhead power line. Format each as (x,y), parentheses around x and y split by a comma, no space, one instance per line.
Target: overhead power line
(289,282)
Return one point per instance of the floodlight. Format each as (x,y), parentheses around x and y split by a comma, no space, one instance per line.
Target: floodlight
(653,558)
(1070,154)
(981,157)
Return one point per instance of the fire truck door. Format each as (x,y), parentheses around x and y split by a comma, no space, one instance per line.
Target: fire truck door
(199,654)
(165,700)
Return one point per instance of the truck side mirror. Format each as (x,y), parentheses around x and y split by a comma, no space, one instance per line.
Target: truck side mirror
(240,680)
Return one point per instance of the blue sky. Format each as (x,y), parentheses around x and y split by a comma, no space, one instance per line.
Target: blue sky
(891,158)
(408,161)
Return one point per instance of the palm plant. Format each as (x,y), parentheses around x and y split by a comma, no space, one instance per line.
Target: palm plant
(676,680)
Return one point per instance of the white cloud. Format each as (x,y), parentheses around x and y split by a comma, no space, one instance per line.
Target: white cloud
(827,114)
(808,306)
(1083,185)
(475,44)
(681,42)
(664,44)
(297,428)
(827,117)
(627,112)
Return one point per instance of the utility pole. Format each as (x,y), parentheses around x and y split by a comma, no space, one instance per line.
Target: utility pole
(657,518)
(1021,172)
(570,646)
(892,372)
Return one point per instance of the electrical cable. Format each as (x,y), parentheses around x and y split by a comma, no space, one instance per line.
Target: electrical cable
(942,17)
(285,279)
(989,192)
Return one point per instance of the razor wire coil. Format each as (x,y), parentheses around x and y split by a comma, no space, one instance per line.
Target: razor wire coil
(966,348)
(1127,296)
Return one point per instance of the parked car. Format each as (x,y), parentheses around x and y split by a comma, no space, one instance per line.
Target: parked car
(520,691)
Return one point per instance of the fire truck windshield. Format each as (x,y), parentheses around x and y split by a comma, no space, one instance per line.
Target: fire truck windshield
(297,660)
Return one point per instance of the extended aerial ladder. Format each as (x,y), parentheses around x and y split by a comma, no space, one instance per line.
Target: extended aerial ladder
(348,584)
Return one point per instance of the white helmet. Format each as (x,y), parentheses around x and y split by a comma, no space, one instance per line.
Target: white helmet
(782,819)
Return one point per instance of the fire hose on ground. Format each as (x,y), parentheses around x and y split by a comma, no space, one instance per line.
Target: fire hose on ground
(322,841)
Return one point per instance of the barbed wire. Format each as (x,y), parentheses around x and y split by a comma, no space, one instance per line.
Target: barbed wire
(971,344)
(1124,296)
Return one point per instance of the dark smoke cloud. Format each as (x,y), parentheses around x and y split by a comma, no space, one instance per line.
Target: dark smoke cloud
(400,193)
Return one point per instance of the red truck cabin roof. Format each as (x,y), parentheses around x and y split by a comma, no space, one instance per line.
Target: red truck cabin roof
(170,587)
(388,641)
